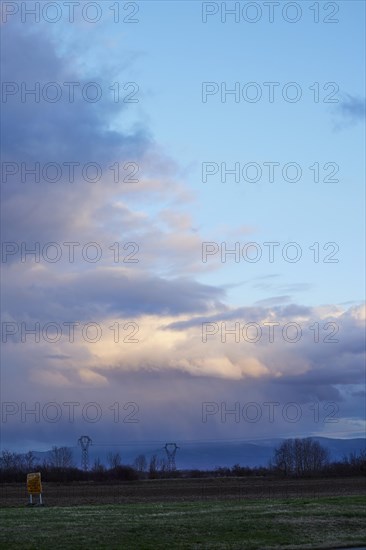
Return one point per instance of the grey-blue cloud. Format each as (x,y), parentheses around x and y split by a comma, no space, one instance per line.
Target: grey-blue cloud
(350,111)
(353,108)
(97,294)
(170,386)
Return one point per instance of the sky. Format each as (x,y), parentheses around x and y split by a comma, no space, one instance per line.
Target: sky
(183,220)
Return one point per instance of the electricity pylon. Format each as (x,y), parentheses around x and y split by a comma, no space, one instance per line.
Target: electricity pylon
(171,450)
(84,442)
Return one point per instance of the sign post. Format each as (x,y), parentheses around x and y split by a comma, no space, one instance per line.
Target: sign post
(34,486)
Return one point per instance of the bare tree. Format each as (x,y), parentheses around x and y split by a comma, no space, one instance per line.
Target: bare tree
(10,461)
(300,457)
(283,459)
(153,466)
(98,466)
(114,460)
(356,460)
(319,456)
(162,464)
(61,457)
(140,463)
(29,460)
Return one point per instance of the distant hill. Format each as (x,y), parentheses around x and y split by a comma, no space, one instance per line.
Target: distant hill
(210,455)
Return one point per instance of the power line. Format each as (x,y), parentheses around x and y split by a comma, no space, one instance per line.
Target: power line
(211,441)
(181,441)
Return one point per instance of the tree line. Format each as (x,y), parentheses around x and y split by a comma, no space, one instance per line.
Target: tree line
(292,458)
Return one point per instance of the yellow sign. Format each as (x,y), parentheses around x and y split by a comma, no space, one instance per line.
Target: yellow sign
(34,484)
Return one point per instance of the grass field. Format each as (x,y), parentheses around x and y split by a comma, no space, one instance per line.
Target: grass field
(326,522)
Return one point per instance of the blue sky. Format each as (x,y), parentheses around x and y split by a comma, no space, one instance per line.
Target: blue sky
(170,294)
(170,69)
(230,132)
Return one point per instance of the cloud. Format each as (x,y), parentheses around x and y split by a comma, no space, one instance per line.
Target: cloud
(168,371)
(351,110)
(73,209)
(103,292)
